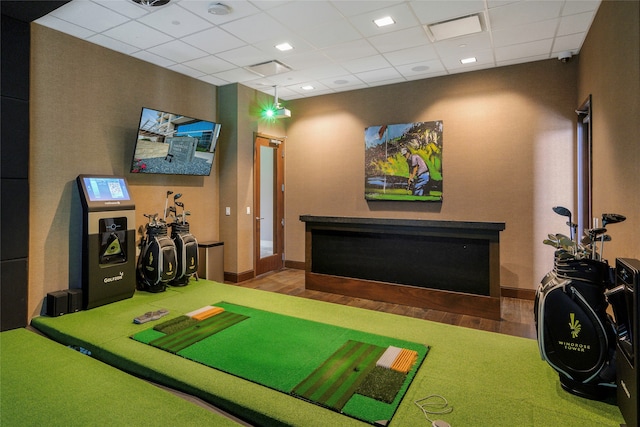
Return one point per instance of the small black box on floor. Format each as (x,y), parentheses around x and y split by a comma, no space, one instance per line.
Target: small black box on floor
(74,300)
(57,303)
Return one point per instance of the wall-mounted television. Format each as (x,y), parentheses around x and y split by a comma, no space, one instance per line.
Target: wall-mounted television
(174,144)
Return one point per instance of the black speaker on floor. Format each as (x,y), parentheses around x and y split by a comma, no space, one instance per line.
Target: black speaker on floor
(627,281)
(74,300)
(57,303)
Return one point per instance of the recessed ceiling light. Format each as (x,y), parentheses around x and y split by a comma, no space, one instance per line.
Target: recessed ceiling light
(383,22)
(307,87)
(284,47)
(468,60)
(219,9)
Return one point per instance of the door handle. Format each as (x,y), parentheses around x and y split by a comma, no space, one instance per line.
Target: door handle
(258,218)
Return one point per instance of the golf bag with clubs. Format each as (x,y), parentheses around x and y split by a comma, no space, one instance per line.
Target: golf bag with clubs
(186,252)
(157,263)
(576,335)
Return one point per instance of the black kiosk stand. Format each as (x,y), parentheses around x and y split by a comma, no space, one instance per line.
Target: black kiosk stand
(108,240)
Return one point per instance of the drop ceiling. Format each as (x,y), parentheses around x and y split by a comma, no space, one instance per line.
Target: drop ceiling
(335,44)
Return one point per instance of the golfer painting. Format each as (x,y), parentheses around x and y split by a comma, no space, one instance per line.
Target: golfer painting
(403,162)
(418,172)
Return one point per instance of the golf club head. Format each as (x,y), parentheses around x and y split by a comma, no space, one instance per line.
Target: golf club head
(177,196)
(180,204)
(595,232)
(169,192)
(612,218)
(561,210)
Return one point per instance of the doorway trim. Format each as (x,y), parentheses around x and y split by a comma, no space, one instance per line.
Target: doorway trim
(274,261)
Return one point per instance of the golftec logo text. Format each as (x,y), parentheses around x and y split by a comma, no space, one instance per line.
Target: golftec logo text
(114,278)
(575,327)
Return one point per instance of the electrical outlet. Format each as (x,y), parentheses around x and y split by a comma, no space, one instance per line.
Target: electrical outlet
(248,210)
(227,211)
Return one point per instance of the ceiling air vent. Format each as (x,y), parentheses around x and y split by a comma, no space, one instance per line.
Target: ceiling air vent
(454,28)
(152,2)
(269,68)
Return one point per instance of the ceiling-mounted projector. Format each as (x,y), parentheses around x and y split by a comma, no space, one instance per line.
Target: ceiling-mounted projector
(281,113)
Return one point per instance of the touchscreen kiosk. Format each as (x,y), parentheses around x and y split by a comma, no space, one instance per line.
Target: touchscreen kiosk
(108,240)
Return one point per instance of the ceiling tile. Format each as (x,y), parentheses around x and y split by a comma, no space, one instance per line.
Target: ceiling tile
(423,69)
(330,34)
(571,6)
(138,35)
(112,44)
(429,12)
(177,51)
(255,28)
(363,64)
(213,40)
(350,50)
(383,74)
(244,56)
(464,46)
(523,12)
(411,55)
(239,9)
(524,50)
(342,81)
(571,43)
(525,33)
(573,24)
(57,24)
(152,58)
(179,68)
(89,15)
(403,39)
(209,65)
(304,15)
(175,21)
(127,8)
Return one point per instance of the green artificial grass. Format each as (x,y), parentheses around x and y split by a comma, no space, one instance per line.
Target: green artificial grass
(289,354)
(489,379)
(44,383)
(382,384)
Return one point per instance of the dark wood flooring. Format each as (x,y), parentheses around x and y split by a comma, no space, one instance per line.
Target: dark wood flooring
(517,314)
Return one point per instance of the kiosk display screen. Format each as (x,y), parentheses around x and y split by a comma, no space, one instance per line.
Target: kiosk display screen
(105,191)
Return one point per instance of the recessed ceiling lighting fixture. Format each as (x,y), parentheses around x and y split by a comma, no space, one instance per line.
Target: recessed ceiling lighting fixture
(307,87)
(383,22)
(219,9)
(284,47)
(468,60)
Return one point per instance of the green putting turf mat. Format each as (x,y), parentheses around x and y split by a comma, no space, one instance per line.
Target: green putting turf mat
(335,381)
(200,330)
(317,362)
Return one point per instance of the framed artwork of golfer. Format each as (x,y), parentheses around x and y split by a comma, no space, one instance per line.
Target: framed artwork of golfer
(403,162)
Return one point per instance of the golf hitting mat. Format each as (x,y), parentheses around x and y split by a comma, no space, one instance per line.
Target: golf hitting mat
(358,374)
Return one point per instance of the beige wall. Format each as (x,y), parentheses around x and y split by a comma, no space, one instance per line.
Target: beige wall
(507,156)
(85,106)
(610,72)
(240,113)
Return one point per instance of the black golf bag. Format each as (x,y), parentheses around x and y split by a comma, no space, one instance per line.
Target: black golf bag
(186,251)
(157,264)
(576,336)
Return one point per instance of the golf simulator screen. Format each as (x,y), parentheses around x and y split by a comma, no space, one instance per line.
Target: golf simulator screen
(104,192)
